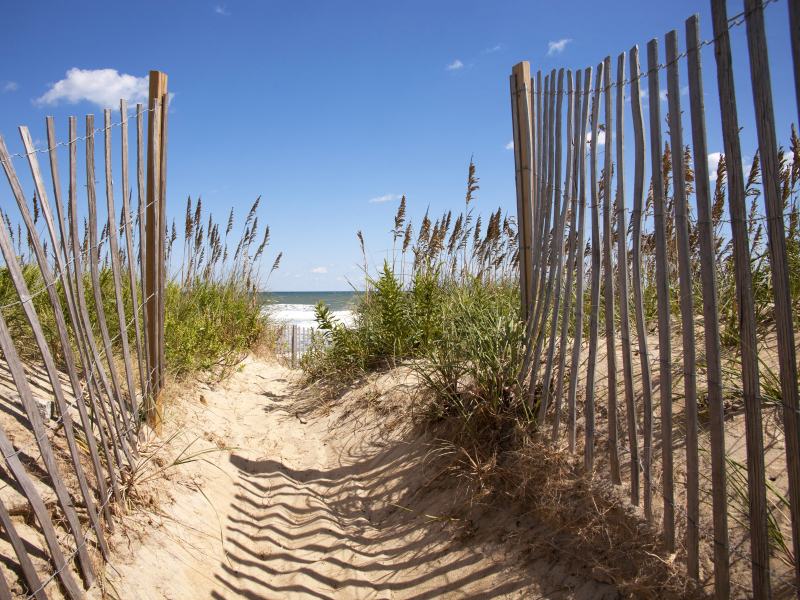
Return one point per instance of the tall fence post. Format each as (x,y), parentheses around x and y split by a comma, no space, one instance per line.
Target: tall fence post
(154,249)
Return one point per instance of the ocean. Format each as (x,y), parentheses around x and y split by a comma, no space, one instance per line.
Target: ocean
(297,308)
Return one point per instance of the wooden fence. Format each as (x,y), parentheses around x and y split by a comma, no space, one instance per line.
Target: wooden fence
(101,409)
(552,210)
(292,341)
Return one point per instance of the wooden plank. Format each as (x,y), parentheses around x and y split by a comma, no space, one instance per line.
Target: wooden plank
(608,296)
(522,100)
(147,391)
(96,400)
(132,279)
(523,286)
(570,189)
(556,248)
(580,246)
(18,280)
(5,591)
(794,28)
(162,226)
(66,280)
(158,86)
(591,372)
(622,284)
(537,271)
(28,570)
(546,253)
(737,204)
(77,324)
(14,465)
(541,169)
(115,396)
(708,274)
(113,237)
(639,191)
(662,292)
(535,178)
(686,306)
(778,257)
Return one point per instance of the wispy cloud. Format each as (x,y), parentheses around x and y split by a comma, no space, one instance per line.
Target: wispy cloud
(10,86)
(557,47)
(495,49)
(386,198)
(103,87)
(221,10)
(510,145)
(457,64)
(319,270)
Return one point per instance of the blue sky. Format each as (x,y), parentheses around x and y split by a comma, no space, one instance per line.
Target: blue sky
(320,107)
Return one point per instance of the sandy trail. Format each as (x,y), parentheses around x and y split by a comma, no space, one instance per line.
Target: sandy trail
(308,506)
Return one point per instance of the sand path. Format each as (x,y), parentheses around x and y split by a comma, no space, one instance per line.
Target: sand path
(308,506)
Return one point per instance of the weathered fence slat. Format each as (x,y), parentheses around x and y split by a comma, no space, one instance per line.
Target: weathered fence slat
(524,288)
(779,262)
(622,286)
(662,291)
(18,280)
(69,359)
(577,344)
(639,191)
(546,253)
(18,471)
(686,307)
(608,294)
(162,225)
(570,188)
(116,400)
(535,177)
(556,252)
(737,204)
(116,276)
(95,396)
(147,391)
(151,280)
(28,570)
(708,274)
(5,591)
(594,313)
(128,220)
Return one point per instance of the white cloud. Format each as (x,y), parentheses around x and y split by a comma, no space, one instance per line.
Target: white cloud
(495,49)
(340,279)
(386,198)
(455,65)
(713,162)
(601,137)
(663,95)
(331,264)
(103,87)
(221,10)
(11,86)
(510,145)
(556,47)
(684,90)
(319,270)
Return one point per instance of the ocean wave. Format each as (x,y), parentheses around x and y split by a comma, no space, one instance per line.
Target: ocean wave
(302,315)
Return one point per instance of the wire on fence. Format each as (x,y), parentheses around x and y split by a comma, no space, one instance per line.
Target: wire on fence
(100,130)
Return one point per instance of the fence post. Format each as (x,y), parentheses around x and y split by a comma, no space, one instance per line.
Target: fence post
(154,249)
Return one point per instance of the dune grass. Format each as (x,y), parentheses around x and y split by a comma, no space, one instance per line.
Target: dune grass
(213,311)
